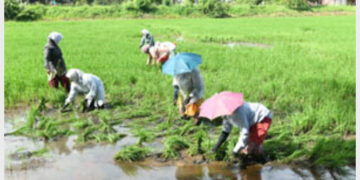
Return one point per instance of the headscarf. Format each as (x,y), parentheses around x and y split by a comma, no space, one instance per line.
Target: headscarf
(75,75)
(145,32)
(56,37)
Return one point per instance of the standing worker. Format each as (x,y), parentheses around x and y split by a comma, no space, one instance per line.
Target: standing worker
(146,39)
(54,62)
(88,84)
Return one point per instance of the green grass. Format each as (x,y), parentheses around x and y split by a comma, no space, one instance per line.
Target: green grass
(307,77)
(132,153)
(172,146)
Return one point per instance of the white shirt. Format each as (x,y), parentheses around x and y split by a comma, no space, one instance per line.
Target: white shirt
(90,85)
(244,117)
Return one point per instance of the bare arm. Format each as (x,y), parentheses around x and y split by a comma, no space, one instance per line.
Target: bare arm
(149,59)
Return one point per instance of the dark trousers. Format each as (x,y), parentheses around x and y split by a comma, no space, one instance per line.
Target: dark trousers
(63,80)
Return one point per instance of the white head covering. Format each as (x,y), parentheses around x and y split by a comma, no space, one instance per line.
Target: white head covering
(145,32)
(75,75)
(55,36)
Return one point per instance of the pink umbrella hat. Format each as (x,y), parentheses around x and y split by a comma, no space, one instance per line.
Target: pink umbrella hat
(221,104)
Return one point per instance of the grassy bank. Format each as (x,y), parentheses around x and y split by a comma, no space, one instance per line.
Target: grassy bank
(176,11)
(305,74)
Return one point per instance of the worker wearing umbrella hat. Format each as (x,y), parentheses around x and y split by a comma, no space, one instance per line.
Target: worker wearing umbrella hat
(253,120)
(188,81)
(191,88)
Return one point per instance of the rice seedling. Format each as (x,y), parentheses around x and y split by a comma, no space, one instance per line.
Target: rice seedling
(144,135)
(325,154)
(132,153)
(172,146)
(197,146)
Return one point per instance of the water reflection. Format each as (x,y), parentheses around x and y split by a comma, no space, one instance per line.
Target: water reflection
(94,161)
(185,172)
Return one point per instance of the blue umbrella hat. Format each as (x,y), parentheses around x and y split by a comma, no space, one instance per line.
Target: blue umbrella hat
(181,63)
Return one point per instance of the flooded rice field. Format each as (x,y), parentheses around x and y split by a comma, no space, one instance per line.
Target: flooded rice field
(65,159)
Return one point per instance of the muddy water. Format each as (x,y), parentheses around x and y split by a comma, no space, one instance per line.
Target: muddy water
(67,160)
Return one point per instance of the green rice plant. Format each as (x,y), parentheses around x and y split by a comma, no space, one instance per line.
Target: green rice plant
(40,152)
(32,116)
(172,146)
(186,128)
(279,149)
(163,126)
(208,144)
(86,134)
(333,153)
(111,138)
(80,124)
(21,153)
(144,135)
(132,153)
(49,129)
(42,104)
(58,97)
(196,147)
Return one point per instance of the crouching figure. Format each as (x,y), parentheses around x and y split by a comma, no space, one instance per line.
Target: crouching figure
(253,120)
(191,88)
(88,84)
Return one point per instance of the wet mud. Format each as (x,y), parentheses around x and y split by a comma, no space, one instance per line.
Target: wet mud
(65,159)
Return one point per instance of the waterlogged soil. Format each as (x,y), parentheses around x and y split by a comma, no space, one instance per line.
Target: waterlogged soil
(65,159)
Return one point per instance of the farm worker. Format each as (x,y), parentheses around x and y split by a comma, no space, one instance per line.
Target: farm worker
(146,39)
(54,62)
(88,84)
(253,120)
(191,87)
(160,52)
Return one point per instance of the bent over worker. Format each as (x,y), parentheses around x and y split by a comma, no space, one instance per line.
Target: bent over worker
(253,121)
(88,84)
(160,52)
(191,87)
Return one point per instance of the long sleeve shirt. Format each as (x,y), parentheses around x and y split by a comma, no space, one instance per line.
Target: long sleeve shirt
(147,39)
(244,117)
(90,85)
(190,85)
(53,60)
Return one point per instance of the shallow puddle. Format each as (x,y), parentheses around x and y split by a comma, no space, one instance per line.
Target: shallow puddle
(67,160)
